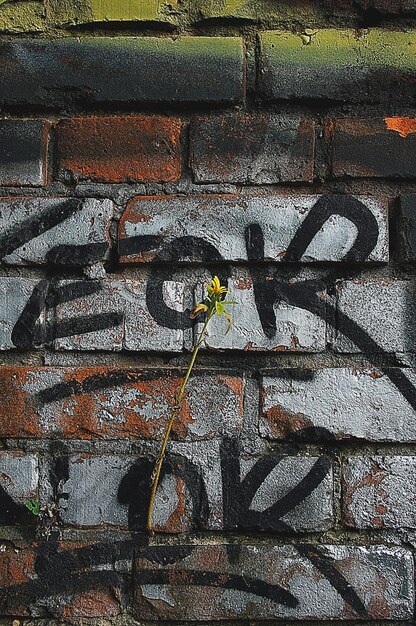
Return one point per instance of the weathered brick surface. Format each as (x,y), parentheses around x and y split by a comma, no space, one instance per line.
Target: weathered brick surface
(121,69)
(64,231)
(406,228)
(23,152)
(252,149)
(117,149)
(138,161)
(339,403)
(288,582)
(19,477)
(375,316)
(277,321)
(252,10)
(96,11)
(379,492)
(17,571)
(22,17)
(200,489)
(101,402)
(14,297)
(112,314)
(335,64)
(64,580)
(297,227)
(389,6)
(373,147)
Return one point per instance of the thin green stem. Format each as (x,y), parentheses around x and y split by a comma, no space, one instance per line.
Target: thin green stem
(174,414)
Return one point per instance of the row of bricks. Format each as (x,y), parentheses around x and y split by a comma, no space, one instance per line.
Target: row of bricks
(275,228)
(207,582)
(151,313)
(269,492)
(234,148)
(102,403)
(38,17)
(376,66)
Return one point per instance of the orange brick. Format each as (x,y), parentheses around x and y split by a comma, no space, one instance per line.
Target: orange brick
(120,149)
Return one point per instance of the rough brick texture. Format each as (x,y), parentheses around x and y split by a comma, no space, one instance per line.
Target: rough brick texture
(338,403)
(23,152)
(406,228)
(374,147)
(379,492)
(122,69)
(295,228)
(107,403)
(120,149)
(252,149)
(146,147)
(262,582)
(337,65)
(63,231)
(375,316)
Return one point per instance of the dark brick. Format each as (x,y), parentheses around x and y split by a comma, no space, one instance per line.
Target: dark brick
(122,69)
(119,149)
(23,152)
(252,149)
(62,579)
(373,147)
(322,582)
(389,6)
(378,65)
(406,225)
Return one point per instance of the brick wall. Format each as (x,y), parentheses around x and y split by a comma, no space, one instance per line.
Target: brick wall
(144,147)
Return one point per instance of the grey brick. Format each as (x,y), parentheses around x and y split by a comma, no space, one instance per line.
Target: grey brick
(23,152)
(338,403)
(252,149)
(66,231)
(19,476)
(14,296)
(326,226)
(211,582)
(270,493)
(57,72)
(335,64)
(115,316)
(296,329)
(375,316)
(380,492)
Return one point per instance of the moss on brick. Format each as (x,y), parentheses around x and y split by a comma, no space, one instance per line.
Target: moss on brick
(20,17)
(255,10)
(338,64)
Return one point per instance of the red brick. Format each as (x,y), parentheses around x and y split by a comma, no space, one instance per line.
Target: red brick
(120,149)
(17,569)
(86,403)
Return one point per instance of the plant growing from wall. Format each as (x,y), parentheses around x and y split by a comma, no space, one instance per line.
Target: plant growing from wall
(213,304)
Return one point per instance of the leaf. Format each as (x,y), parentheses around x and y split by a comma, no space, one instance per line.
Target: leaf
(33,506)
(229,302)
(229,323)
(219,306)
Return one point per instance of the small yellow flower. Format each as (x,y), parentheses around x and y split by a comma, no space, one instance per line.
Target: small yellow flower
(200,308)
(215,288)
